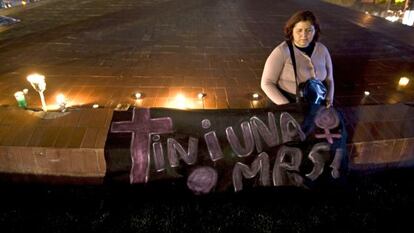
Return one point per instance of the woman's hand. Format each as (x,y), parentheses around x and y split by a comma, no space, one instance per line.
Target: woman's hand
(283,102)
(329,103)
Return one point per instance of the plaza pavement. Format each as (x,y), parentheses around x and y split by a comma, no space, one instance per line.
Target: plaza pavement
(102,52)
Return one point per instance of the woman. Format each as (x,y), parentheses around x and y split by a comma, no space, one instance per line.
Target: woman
(312,61)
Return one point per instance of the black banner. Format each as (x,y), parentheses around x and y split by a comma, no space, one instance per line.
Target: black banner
(218,150)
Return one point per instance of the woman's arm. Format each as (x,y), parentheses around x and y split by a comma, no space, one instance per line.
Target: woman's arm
(271,72)
(329,80)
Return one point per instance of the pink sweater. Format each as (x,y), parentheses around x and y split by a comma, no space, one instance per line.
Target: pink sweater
(279,70)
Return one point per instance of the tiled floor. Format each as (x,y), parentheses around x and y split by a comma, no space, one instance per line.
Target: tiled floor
(103,52)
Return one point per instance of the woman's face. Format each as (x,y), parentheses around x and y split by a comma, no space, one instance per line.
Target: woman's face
(303,33)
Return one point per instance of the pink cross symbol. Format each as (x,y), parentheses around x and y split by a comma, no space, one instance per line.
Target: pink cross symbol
(141,127)
(327,134)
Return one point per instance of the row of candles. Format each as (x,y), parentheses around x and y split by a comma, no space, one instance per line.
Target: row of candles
(39,84)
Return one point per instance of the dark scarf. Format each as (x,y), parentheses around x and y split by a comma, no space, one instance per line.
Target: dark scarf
(307,50)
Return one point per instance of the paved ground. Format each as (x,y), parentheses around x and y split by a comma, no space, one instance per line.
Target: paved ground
(104,51)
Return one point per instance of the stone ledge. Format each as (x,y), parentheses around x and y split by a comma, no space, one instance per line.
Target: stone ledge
(77,150)
(83,128)
(386,154)
(53,161)
(49,179)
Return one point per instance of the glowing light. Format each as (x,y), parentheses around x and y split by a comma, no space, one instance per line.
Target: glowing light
(38,83)
(392,18)
(138,102)
(24,3)
(95,106)
(25,91)
(366,93)
(408,18)
(255,96)
(60,99)
(61,102)
(201,95)
(180,101)
(138,95)
(255,103)
(403,81)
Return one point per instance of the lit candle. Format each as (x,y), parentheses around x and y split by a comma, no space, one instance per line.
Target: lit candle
(201,95)
(61,101)
(21,101)
(403,81)
(138,95)
(38,83)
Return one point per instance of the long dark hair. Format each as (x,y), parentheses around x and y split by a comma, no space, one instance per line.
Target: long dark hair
(301,16)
